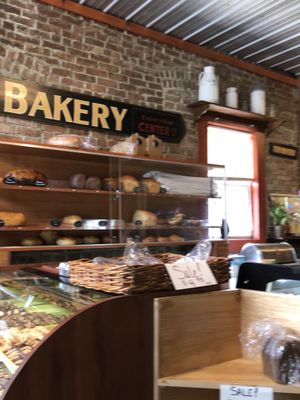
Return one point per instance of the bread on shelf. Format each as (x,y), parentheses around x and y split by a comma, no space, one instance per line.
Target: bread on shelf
(25,176)
(144,218)
(149,239)
(71,219)
(77,181)
(129,184)
(66,241)
(150,185)
(31,242)
(110,184)
(175,238)
(93,183)
(49,237)
(12,218)
(91,239)
(65,140)
(154,146)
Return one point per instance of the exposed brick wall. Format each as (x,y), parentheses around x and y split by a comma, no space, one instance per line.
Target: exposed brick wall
(55,48)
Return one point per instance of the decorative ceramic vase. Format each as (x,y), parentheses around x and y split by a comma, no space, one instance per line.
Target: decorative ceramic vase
(209,85)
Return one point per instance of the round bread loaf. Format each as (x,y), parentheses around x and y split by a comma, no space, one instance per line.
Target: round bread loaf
(93,183)
(49,237)
(162,238)
(176,238)
(31,242)
(65,140)
(12,218)
(66,241)
(110,184)
(149,239)
(129,184)
(144,218)
(78,181)
(71,219)
(150,185)
(91,239)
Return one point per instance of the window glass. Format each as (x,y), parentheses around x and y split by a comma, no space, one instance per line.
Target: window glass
(231,148)
(235,150)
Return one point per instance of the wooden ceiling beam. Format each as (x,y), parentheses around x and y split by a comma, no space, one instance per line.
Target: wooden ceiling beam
(91,13)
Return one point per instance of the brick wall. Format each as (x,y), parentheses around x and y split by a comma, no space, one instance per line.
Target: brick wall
(55,48)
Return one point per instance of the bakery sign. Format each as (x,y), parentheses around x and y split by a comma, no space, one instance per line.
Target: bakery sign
(29,100)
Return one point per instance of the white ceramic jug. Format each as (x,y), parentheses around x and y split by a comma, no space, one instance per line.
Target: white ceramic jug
(231,98)
(209,85)
(258,100)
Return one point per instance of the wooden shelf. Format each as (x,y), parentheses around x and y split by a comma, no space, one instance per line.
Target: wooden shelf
(48,190)
(264,122)
(235,372)
(128,227)
(39,149)
(91,246)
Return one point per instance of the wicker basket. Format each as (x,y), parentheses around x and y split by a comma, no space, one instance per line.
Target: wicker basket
(125,279)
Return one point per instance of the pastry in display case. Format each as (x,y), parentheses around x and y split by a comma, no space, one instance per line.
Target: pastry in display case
(31,306)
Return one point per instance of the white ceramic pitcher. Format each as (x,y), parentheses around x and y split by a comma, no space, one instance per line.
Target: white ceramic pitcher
(209,85)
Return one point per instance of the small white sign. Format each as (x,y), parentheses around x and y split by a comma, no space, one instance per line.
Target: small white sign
(232,392)
(189,273)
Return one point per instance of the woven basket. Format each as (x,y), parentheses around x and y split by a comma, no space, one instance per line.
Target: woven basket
(125,279)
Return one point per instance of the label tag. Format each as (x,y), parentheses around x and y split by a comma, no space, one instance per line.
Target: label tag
(232,392)
(189,273)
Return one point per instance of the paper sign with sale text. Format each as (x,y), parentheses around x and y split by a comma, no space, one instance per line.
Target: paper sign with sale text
(189,273)
(231,392)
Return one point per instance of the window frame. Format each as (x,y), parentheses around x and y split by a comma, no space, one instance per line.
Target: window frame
(258,188)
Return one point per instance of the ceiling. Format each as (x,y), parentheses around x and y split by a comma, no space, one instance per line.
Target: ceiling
(262,32)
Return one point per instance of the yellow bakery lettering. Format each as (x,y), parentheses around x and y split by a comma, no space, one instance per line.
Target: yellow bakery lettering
(15,98)
(41,103)
(61,107)
(100,113)
(119,116)
(78,110)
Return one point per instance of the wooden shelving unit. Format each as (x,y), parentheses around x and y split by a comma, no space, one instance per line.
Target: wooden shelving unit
(197,345)
(41,205)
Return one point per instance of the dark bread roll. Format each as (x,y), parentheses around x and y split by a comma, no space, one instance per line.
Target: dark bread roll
(78,181)
(110,184)
(93,182)
(281,359)
(26,176)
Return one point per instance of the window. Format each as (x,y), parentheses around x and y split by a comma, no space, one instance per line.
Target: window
(240,149)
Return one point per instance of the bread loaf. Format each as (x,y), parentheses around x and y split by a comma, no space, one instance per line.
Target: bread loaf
(91,239)
(281,359)
(77,181)
(65,140)
(93,183)
(144,218)
(12,218)
(154,146)
(71,219)
(66,241)
(49,237)
(25,176)
(110,184)
(175,238)
(150,185)
(129,184)
(31,242)
(149,239)
(162,239)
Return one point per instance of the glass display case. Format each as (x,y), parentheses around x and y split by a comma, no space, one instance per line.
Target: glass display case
(61,203)
(31,306)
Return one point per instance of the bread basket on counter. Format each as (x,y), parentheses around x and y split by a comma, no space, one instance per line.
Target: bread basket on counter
(118,278)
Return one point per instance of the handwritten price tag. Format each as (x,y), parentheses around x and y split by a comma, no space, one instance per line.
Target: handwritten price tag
(187,273)
(230,392)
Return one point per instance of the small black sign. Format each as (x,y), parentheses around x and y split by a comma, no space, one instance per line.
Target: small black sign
(29,100)
(284,150)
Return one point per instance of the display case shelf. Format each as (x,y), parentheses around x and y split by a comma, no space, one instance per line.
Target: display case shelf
(99,192)
(240,371)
